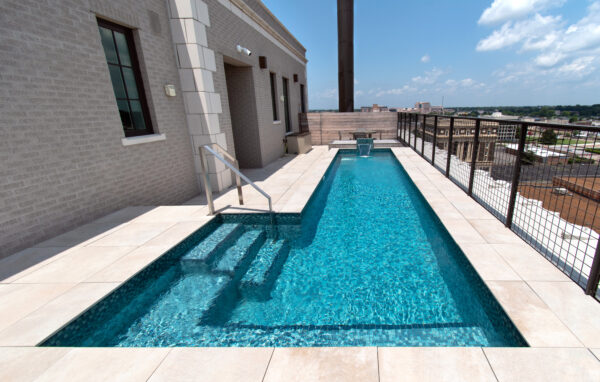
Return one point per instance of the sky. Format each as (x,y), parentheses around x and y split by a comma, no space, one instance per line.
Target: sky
(466,52)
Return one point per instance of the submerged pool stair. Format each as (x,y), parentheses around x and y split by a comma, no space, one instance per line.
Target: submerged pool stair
(259,279)
(248,260)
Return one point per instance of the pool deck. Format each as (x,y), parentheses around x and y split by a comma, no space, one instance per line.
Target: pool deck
(44,287)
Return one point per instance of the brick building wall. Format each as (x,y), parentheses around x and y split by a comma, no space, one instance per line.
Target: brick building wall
(62,162)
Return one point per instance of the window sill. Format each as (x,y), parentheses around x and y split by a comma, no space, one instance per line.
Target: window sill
(277,122)
(130,141)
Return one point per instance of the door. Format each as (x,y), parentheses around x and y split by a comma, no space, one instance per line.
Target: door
(286,105)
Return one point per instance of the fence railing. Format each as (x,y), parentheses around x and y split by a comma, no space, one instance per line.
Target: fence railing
(541,180)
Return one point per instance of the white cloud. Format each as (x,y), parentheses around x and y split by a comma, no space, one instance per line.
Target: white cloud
(549,59)
(425,58)
(532,32)
(561,52)
(396,91)
(464,83)
(429,77)
(327,93)
(578,67)
(503,10)
(358,93)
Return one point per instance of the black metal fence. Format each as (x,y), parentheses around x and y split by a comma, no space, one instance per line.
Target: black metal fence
(541,180)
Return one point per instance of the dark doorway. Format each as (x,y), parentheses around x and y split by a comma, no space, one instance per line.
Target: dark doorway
(286,105)
(242,109)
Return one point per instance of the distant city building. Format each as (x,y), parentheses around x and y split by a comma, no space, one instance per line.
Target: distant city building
(559,121)
(374,109)
(507,132)
(462,140)
(426,108)
(539,154)
(423,107)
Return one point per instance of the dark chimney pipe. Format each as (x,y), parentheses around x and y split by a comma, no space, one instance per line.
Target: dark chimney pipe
(346,55)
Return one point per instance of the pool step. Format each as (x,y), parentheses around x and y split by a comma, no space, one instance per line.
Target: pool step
(208,249)
(264,270)
(237,258)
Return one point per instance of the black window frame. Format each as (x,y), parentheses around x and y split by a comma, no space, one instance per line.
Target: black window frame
(273,80)
(135,67)
(285,86)
(302,99)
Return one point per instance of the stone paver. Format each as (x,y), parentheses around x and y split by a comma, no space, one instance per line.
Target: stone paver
(573,307)
(82,235)
(494,232)
(133,234)
(24,364)
(534,319)
(488,263)
(177,233)
(528,263)
(28,260)
(77,265)
(214,364)
(41,323)
(433,364)
(462,231)
(130,264)
(514,364)
(19,300)
(323,364)
(105,364)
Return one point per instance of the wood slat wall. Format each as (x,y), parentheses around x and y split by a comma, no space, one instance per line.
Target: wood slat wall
(327,127)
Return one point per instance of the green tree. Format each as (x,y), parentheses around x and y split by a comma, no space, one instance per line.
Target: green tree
(548,137)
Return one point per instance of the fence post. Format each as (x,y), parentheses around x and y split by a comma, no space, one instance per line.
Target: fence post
(516,175)
(399,125)
(594,278)
(448,158)
(423,137)
(414,132)
(403,124)
(474,156)
(435,121)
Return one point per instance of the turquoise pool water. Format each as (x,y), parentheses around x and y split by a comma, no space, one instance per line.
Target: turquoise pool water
(367,264)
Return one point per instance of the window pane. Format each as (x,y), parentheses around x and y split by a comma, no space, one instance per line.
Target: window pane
(117,81)
(130,83)
(123,49)
(274,96)
(138,116)
(125,115)
(109,45)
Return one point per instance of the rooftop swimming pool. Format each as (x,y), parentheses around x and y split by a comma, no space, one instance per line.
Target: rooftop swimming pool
(367,263)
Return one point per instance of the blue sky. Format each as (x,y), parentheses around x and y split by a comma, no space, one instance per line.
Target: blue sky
(471,52)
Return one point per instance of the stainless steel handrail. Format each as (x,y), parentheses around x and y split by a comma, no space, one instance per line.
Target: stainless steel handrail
(238,182)
(235,169)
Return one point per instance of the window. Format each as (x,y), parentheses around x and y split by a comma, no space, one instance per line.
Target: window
(274,96)
(121,58)
(286,104)
(302,100)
